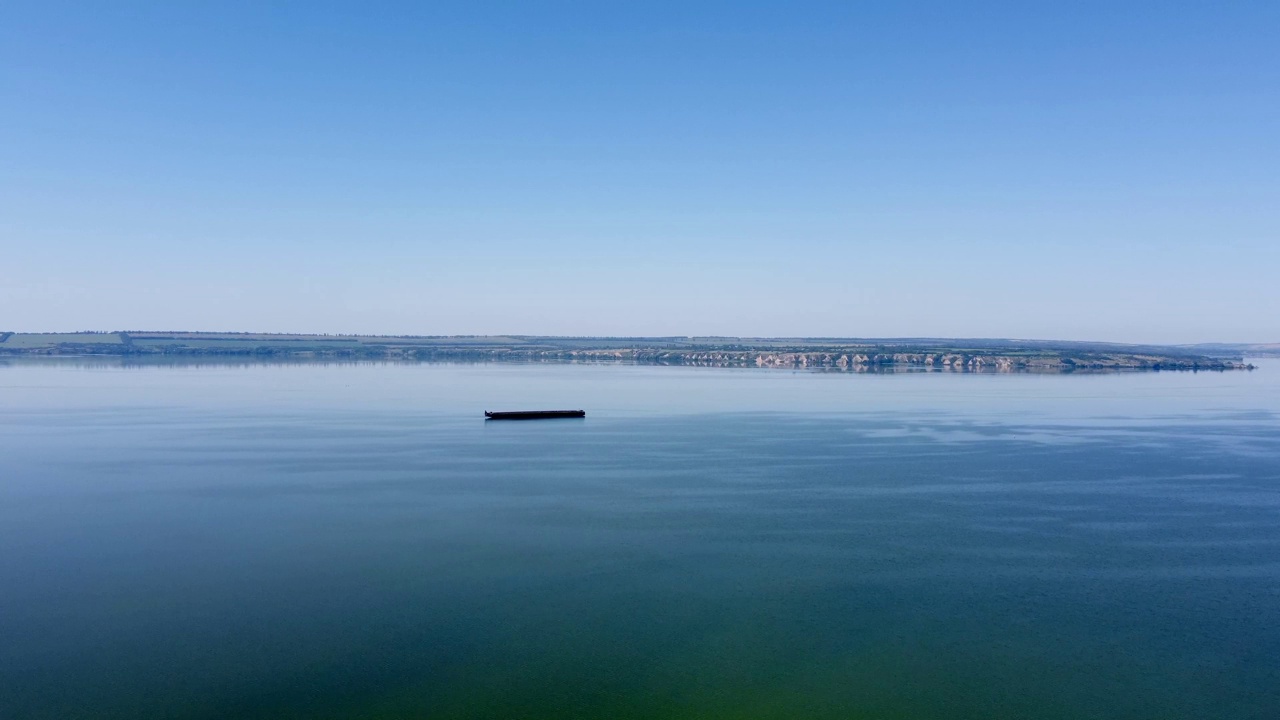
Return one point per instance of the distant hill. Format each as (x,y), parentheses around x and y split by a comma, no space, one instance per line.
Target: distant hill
(1236,349)
(853,354)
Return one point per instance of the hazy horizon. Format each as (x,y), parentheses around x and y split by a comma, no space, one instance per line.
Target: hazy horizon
(866,338)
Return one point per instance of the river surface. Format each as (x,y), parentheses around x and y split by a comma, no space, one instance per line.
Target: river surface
(354,541)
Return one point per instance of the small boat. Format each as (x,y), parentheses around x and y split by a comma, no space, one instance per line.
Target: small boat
(534,414)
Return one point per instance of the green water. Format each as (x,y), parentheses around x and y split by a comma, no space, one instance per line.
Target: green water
(327,541)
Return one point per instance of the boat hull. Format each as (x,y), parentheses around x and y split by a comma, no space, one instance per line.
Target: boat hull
(535,415)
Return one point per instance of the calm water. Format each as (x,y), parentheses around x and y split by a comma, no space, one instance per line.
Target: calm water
(330,541)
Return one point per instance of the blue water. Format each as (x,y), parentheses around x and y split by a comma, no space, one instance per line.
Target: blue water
(354,541)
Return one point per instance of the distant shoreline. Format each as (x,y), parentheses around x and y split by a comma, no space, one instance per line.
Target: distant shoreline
(845,354)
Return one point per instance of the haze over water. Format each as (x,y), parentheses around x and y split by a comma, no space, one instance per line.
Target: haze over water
(342,541)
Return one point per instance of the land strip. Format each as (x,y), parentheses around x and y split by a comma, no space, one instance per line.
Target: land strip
(851,354)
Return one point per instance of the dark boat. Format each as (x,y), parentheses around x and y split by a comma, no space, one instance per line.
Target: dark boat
(534,414)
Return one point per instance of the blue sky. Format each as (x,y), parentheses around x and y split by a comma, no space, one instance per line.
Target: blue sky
(1053,170)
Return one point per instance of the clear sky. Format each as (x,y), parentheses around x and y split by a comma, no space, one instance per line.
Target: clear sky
(1072,170)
